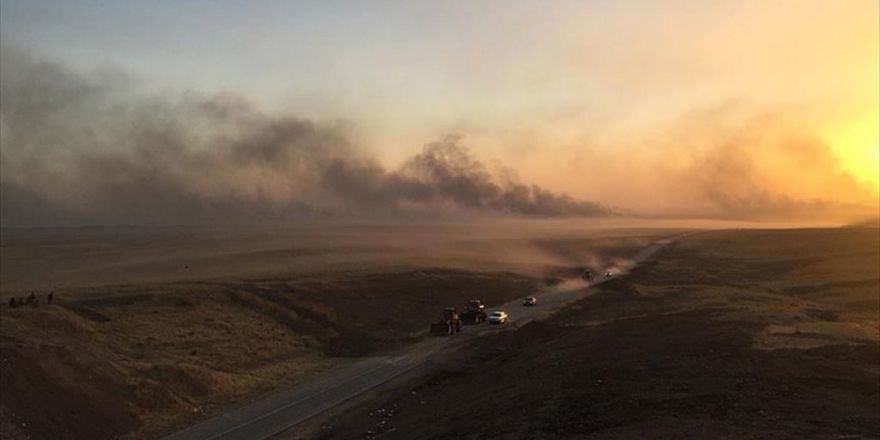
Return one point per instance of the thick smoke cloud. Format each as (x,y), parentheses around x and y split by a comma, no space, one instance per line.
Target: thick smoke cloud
(95,149)
(90,149)
(732,162)
(733,185)
(445,174)
(763,166)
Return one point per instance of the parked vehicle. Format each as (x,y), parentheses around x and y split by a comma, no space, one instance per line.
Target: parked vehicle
(498,317)
(475,312)
(530,301)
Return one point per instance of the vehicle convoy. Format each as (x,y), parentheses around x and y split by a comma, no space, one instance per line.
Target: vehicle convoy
(530,301)
(498,317)
(475,312)
(449,325)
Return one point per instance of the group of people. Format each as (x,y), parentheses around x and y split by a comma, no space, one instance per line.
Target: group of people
(30,300)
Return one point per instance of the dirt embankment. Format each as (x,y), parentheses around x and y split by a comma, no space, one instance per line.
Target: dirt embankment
(143,359)
(740,334)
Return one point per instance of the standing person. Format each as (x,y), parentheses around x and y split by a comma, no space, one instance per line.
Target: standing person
(13,303)
(50,297)
(32,299)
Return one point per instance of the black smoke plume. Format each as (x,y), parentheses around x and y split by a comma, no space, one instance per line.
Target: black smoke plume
(91,149)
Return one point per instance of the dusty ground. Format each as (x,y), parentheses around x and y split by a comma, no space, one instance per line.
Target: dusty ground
(142,358)
(738,334)
(69,258)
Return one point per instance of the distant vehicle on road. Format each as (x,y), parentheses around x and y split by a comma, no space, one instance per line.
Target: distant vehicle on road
(608,274)
(587,275)
(530,301)
(475,312)
(498,317)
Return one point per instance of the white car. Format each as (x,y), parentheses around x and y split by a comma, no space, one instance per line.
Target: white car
(530,301)
(498,317)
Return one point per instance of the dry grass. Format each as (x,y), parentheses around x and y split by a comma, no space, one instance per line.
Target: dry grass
(815,289)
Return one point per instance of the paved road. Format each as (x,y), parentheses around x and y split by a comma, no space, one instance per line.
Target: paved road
(279,412)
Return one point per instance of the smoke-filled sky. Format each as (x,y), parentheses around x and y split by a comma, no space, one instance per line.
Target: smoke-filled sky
(223,111)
